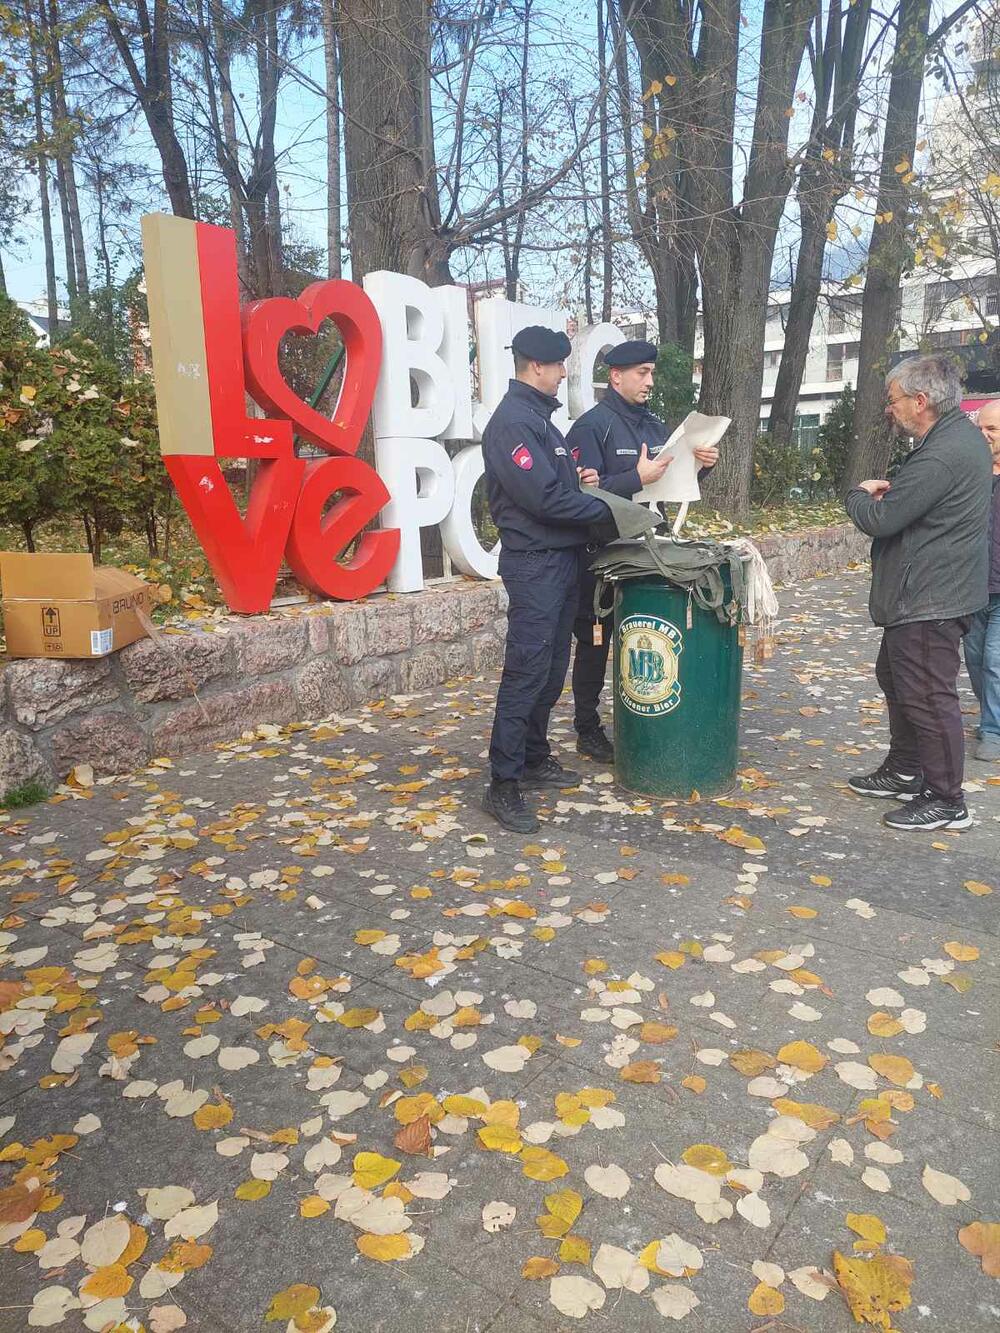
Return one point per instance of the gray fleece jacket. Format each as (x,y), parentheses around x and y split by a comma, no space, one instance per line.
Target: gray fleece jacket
(930,553)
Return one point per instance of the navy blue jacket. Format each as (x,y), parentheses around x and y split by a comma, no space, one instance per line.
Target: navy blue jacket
(531,482)
(610,436)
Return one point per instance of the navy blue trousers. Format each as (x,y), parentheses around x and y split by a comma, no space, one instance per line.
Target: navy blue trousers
(543,587)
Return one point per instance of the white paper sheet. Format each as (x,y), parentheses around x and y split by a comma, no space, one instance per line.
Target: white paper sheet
(679,484)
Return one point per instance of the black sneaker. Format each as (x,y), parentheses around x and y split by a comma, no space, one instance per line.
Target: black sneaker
(595,745)
(887,784)
(550,773)
(927,813)
(503,800)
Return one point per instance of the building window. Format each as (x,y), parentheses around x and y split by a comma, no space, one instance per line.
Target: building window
(805,431)
(835,361)
(991,305)
(772,360)
(938,299)
(845,314)
(634,332)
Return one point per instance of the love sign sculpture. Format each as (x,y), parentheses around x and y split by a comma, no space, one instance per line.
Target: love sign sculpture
(207,356)
(409,352)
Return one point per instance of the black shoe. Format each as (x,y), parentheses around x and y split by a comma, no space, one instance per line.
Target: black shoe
(887,784)
(550,773)
(595,745)
(927,813)
(503,800)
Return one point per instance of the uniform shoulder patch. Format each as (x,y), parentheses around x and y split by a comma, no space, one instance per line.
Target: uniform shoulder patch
(522,457)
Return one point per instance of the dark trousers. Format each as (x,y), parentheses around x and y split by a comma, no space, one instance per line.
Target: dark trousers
(917,668)
(589,668)
(543,587)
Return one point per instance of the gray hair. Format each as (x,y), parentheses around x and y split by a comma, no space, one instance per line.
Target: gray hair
(935,375)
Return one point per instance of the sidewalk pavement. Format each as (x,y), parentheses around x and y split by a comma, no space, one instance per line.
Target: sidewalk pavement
(290,1027)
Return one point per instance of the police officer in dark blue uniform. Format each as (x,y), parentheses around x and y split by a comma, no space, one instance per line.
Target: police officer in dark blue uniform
(545,521)
(616,444)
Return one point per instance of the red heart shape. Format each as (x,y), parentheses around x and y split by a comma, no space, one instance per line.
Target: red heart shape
(266,322)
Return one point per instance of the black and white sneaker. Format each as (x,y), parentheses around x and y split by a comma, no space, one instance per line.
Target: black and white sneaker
(503,800)
(928,812)
(549,773)
(887,784)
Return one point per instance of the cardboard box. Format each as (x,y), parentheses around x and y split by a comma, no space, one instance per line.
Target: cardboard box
(61,606)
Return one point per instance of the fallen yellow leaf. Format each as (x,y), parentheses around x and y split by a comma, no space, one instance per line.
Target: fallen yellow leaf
(765,1300)
(803,1055)
(575,1250)
(867,1226)
(106,1283)
(896,1068)
(292,1302)
(500,1138)
(252,1190)
(874,1288)
(539,1267)
(962,953)
(706,1157)
(882,1024)
(384,1248)
(983,1240)
(371,1169)
(540,1164)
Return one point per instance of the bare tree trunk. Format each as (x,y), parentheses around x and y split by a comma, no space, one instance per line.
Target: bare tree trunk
(801,312)
(887,253)
(43,184)
(510,279)
(230,140)
(57,133)
(605,175)
(331,60)
(690,77)
(824,179)
(262,210)
(659,222)
(102,242)
(385,81)
(269,96)
(3,277)
(62,125)
(522,217)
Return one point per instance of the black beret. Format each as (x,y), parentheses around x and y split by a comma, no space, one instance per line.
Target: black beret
(630,354)
(539,344)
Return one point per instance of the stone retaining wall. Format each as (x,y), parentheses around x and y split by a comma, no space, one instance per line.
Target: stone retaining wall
(119,712)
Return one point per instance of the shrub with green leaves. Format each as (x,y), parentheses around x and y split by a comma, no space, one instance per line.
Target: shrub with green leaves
(32,467)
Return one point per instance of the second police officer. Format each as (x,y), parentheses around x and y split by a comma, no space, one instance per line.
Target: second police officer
(616,444)
(545,522)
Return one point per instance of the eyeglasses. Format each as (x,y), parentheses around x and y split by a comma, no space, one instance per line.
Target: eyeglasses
(891,402)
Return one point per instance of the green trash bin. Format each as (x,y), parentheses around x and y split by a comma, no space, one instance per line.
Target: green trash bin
(677,677)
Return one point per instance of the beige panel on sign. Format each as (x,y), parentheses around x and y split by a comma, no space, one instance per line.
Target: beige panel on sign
(177,333)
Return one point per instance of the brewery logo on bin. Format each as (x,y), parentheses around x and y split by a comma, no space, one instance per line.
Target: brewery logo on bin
(649,650)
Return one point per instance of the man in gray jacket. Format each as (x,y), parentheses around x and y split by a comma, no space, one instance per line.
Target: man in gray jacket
(929,578)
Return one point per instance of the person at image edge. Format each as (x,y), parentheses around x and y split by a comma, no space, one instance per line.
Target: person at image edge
(930,559)
(982,643)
